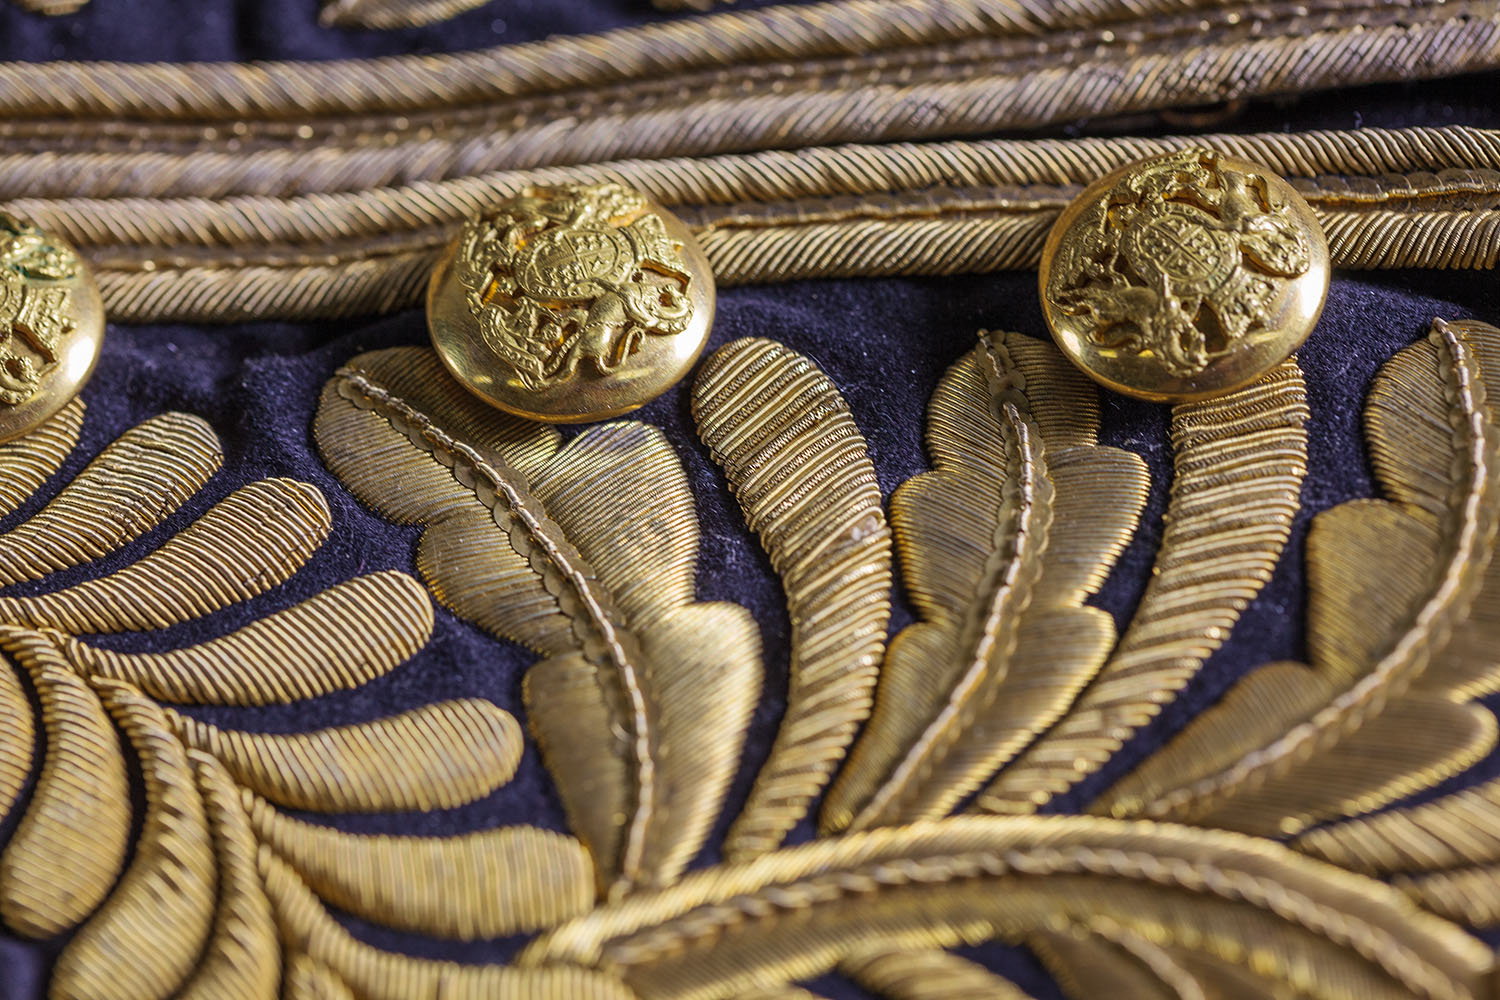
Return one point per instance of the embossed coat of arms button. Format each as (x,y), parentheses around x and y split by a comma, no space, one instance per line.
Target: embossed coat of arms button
(51,325)
(1184,276)
(571,303)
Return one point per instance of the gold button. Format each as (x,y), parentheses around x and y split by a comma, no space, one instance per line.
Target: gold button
(571,303)
(51,325)
(1184,276)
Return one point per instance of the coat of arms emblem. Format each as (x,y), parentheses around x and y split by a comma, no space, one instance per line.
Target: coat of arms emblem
(570,276)
(34,310)
(1182,259)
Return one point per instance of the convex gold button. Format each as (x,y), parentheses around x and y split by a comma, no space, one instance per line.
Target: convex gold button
(571,303)
(51,325)
(1184,276)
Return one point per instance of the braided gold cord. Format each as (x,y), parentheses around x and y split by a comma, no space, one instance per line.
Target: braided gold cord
(863,248)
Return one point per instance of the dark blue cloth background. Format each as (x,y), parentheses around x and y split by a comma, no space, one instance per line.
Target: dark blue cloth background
(884,342)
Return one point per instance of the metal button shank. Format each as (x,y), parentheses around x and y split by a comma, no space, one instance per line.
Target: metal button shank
(51,325)
(571,303)
(1184,276)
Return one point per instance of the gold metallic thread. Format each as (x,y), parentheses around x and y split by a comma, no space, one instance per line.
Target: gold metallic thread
(1000,546)
(868,71)
(796,913)
(372,248)
(1239,463)
(587,556)
(1433,442)
(193,913)
(802,472)
(384,15)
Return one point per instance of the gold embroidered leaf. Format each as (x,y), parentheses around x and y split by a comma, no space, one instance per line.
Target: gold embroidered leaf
(1455,831)
(249,542)
(1468,894)
(1000,545)
(28,462)
(334,958)
(1451,831)
(1239,462)
(802,471)
(384,14)
(243,956)
(341,638)
(585,554)
(1261,706)
(70,844)
(1353,752)
(799,912)
(130,488)
(926,975)
(17,737)
(309,979)
(477,885)
(700,687)
(146,938)
(782,991)
(1469,666)
(1103,958)
(434,757)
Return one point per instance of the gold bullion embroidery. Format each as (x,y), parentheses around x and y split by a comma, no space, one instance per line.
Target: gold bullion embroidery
(385,15)
(1238,466)
(586,554)
(1165,907)
(1386,198)
(52,8)
(1393,585)
(222,892)
(1001,545)
(802,471)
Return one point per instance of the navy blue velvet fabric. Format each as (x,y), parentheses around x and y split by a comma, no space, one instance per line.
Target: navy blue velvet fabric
(884,342)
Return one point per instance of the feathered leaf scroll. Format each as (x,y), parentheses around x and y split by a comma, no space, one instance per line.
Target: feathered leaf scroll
(220,893)
(1000,545)
(1289,925)
(801,469)
(586,554)
(1239,463)
(1389,581)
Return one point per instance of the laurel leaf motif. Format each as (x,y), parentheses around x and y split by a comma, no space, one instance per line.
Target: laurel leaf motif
(17,739)
(144,941)
(243,956)
(1103,958)
(70,844)
(1433,445)
(434,757)
(587,555)
(478,885)
(341,638)
(192,916)
(1239,463)
(334,959)
(249,542)
(141,477)
(1001,544)
(926,975)
(799,912)
(802,471)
